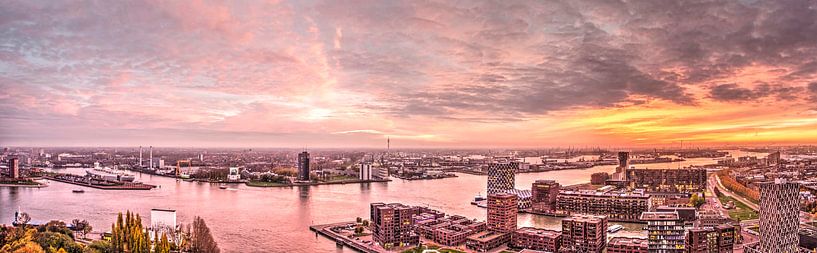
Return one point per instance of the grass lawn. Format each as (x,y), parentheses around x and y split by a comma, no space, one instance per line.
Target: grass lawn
(741,211)
(335,178)
(265,184)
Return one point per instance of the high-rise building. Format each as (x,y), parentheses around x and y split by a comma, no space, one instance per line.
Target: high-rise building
(544,195)
(303,166)
(14,167)
(501,177)
(392,224)
(665,232)
(779,210)
(623,165)
(584,233)
(365,171)
(502,211)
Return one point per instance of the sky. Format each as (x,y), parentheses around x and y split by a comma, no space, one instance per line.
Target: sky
(526,74)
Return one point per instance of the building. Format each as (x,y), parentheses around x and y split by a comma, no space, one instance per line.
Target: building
(233,175)
(665,232)
(687,213)
(487,240)
(616,206)
(502,210)
(446,230)
(365,171)
(303,166)
(14,167)
(599,178)
(523,198)
(392,224)
(719,239)
(544,194)
(779,210)
(687,180)
(536,239)
(623,164)
(627,245)
(584,233)
(163,221)
(501,177)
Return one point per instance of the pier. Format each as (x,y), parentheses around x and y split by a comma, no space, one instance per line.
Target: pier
(340,240)
(98,184)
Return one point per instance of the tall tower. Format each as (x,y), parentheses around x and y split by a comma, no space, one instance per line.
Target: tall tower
(623,165)
(140,157)
(501,177)
(150,162)
(779,222)
(303,166)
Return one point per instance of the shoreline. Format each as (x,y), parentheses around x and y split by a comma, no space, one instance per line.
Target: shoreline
(357,181)
(38,185)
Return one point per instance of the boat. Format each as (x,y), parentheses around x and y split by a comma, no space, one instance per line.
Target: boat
(223,187)
(479,197)
(614,228)
(78,191)
(110,174)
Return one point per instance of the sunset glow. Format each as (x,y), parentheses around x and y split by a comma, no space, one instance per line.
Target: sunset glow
(424,74)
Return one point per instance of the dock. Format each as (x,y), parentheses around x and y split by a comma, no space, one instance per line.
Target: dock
(118,186)
(340,240)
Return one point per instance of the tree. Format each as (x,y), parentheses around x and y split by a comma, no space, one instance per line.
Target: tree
(365,223)
(201,241)
(359,220)
(696,201)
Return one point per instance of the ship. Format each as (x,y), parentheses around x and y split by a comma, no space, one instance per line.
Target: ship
(614,228)
(109,174)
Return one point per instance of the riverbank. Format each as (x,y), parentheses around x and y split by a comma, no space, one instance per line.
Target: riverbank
(272,184)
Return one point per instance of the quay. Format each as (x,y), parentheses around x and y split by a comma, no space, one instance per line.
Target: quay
(326,231)
(355,181)
(108,186)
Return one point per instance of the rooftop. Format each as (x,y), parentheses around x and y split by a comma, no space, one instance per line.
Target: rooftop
(660,216)
(628,242)
(539,232)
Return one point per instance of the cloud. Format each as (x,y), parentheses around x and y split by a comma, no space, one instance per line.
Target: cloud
(412,68)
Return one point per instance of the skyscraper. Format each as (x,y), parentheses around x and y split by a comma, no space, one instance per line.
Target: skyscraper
(623,165)
(14,168)
(779,223)
(502,211)
(501,177)
(303,166)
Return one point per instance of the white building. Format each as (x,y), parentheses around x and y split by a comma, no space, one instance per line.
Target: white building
(365,171)
(163,221)
(382,172)
(234,175)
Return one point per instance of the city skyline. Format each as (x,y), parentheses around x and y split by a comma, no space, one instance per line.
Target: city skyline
(424,74)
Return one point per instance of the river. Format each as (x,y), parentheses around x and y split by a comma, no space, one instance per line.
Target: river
(249,219)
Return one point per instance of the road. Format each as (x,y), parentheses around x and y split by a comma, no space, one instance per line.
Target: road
(729,193)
